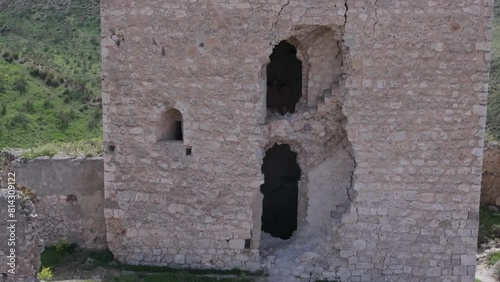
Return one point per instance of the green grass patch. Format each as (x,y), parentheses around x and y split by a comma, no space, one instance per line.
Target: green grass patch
(64,254)
(53,258)
(83,148)
(158,269)
(493,258)
(176,277)
(489,224)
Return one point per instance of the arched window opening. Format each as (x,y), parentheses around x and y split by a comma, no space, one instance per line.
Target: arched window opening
(171,126)
(280,190)
(284,79)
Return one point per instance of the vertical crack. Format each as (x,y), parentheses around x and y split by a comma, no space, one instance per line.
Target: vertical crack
(279,14)
(376,15)
(351,181)
(339,54)
(345,14)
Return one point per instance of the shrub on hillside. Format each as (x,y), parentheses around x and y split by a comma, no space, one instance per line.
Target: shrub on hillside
(52,82)
(28,106)
(2,84)
(34,71)
(20,84)
(19,119)
(64,118)
(47,104)
(42,74)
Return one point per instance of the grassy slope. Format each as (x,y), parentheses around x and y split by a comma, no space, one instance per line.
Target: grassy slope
(63,42)
(493,119)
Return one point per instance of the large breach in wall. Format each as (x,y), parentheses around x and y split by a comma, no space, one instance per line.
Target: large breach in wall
(309,164)
(280,190)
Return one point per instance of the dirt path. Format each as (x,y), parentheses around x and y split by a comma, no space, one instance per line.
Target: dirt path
(485,272)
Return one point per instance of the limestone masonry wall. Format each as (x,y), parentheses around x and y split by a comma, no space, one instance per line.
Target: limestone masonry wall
(69,196)
(20,244)
(388,134)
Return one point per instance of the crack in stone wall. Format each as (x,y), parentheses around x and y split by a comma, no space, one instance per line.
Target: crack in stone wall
(400,113)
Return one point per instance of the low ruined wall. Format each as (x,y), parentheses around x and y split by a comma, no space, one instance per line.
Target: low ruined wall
(20,246)
(490,186)
(69,198)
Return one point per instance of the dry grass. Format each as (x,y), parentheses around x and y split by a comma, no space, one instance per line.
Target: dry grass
(83,148)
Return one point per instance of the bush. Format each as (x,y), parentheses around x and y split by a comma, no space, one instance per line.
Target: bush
(28,106)
(2,84)
(34,71)
(489,229)
(47,104)
(3,110)
(93,124)
(52,82)
(64,118)
(45,274)
(19,119)
(64,246)
(20,85)
(42,74)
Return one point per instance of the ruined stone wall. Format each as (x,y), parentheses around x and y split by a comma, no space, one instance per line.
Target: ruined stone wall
(20,244)
(69,196)
(388,132)
(490,185)
(416,112)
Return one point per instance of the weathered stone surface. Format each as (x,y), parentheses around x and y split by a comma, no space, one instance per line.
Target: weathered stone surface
(20,244)
(69,198)
(396,89)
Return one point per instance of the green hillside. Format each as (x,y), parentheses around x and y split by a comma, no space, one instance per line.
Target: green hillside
(49,73)
(493,118)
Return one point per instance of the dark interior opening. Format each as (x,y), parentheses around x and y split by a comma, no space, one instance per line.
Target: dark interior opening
(280,190)
(178,130)
(111,148)
(284,79)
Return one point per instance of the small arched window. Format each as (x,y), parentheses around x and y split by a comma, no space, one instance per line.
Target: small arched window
(170,126)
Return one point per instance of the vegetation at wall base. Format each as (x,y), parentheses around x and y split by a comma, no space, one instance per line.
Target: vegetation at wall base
(489,224)
(83,148)
(493,258)
(66,253)
(176,277)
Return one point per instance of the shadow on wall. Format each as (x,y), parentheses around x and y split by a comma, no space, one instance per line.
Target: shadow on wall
(490,185)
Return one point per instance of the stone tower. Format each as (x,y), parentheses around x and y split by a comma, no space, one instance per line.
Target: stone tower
(318,139)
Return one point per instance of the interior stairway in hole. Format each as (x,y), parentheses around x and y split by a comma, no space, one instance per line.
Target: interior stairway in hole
(328,99)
